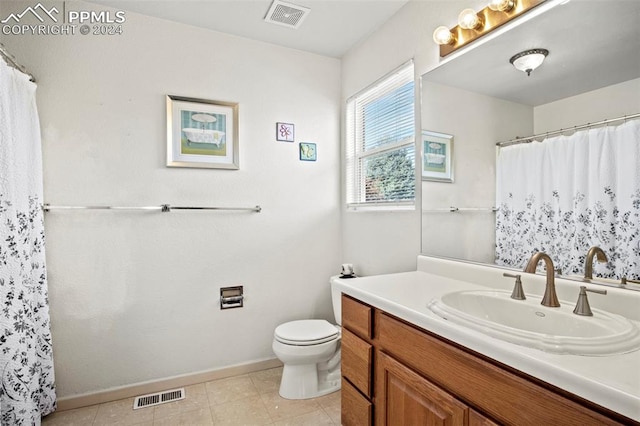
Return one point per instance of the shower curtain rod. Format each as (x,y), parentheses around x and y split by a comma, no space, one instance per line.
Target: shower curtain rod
(529,139)
(163,208)
(12,62)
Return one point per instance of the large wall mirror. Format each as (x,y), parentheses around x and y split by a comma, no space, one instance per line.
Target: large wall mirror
(592,73)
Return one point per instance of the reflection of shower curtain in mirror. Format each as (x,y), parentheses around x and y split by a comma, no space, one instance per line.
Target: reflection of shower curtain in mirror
(26,360)
(569,193)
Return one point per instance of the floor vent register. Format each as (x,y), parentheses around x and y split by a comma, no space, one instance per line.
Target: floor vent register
(158,398)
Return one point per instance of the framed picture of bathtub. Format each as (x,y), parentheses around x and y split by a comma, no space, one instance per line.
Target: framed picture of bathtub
(437,156)
(202,133)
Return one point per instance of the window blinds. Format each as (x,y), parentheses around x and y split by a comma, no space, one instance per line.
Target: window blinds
(380,153)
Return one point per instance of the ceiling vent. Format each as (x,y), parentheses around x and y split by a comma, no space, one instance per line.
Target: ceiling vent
(286,14)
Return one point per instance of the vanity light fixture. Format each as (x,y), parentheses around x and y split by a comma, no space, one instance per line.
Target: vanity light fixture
(472,25)
(529,60)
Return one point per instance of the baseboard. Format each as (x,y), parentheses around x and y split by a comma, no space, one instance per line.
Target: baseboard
(114,394)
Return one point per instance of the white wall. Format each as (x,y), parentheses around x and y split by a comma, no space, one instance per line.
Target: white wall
(476,122)
(609,102)
(386,242)
(134,295)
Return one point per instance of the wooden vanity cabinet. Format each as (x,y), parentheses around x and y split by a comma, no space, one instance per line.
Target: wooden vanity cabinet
(395,373)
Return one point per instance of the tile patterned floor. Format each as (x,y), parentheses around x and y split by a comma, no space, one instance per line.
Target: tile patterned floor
(250,399)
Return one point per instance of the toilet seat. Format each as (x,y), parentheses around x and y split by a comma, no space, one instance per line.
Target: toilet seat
(306,332)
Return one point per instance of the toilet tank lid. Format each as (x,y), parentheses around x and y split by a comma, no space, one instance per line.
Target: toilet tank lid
(305,330)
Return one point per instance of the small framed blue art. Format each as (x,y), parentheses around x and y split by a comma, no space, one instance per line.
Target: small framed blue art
(308,151)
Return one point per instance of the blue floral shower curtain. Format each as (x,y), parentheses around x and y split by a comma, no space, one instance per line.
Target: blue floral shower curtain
(569,193)
(26,361)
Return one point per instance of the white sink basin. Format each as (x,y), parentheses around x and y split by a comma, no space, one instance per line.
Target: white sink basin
(528,323)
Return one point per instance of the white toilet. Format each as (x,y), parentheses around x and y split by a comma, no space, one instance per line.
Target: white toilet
(310,352)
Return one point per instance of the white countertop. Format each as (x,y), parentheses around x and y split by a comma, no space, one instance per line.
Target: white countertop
(610,381)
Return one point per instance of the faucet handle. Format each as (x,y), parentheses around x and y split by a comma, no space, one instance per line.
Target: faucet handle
(582,306)
(518,292)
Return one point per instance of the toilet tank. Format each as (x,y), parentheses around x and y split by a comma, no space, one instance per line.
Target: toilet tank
(336,300)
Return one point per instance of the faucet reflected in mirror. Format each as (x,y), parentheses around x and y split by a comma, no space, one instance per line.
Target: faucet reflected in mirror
(550,298)
(599,254)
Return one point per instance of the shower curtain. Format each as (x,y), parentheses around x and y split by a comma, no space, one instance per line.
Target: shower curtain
(568,193)
(26,362)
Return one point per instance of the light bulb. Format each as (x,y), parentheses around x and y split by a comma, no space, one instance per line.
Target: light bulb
(442,35)
(469,20)
(502,5)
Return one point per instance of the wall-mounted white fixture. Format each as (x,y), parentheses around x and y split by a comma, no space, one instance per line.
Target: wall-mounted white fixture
(529,60)
(286,14)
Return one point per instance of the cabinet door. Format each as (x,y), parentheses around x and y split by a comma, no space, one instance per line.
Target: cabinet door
(403,397)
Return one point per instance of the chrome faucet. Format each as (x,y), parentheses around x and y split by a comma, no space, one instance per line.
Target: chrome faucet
(588,263)
(550,298)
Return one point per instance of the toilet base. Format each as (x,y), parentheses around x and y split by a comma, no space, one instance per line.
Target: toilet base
(305,381)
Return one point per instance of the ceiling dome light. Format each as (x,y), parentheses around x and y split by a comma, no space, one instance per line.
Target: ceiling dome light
(529,60)
(469,20)
(442,35)
(502,5)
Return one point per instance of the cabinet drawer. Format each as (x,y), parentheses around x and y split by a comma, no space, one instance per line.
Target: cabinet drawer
(477,419)
(356,361)
(357,317)
(356,409)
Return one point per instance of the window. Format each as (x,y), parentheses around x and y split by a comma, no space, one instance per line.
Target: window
(380,149)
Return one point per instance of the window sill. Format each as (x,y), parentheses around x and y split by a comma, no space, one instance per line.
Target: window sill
(387,207)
